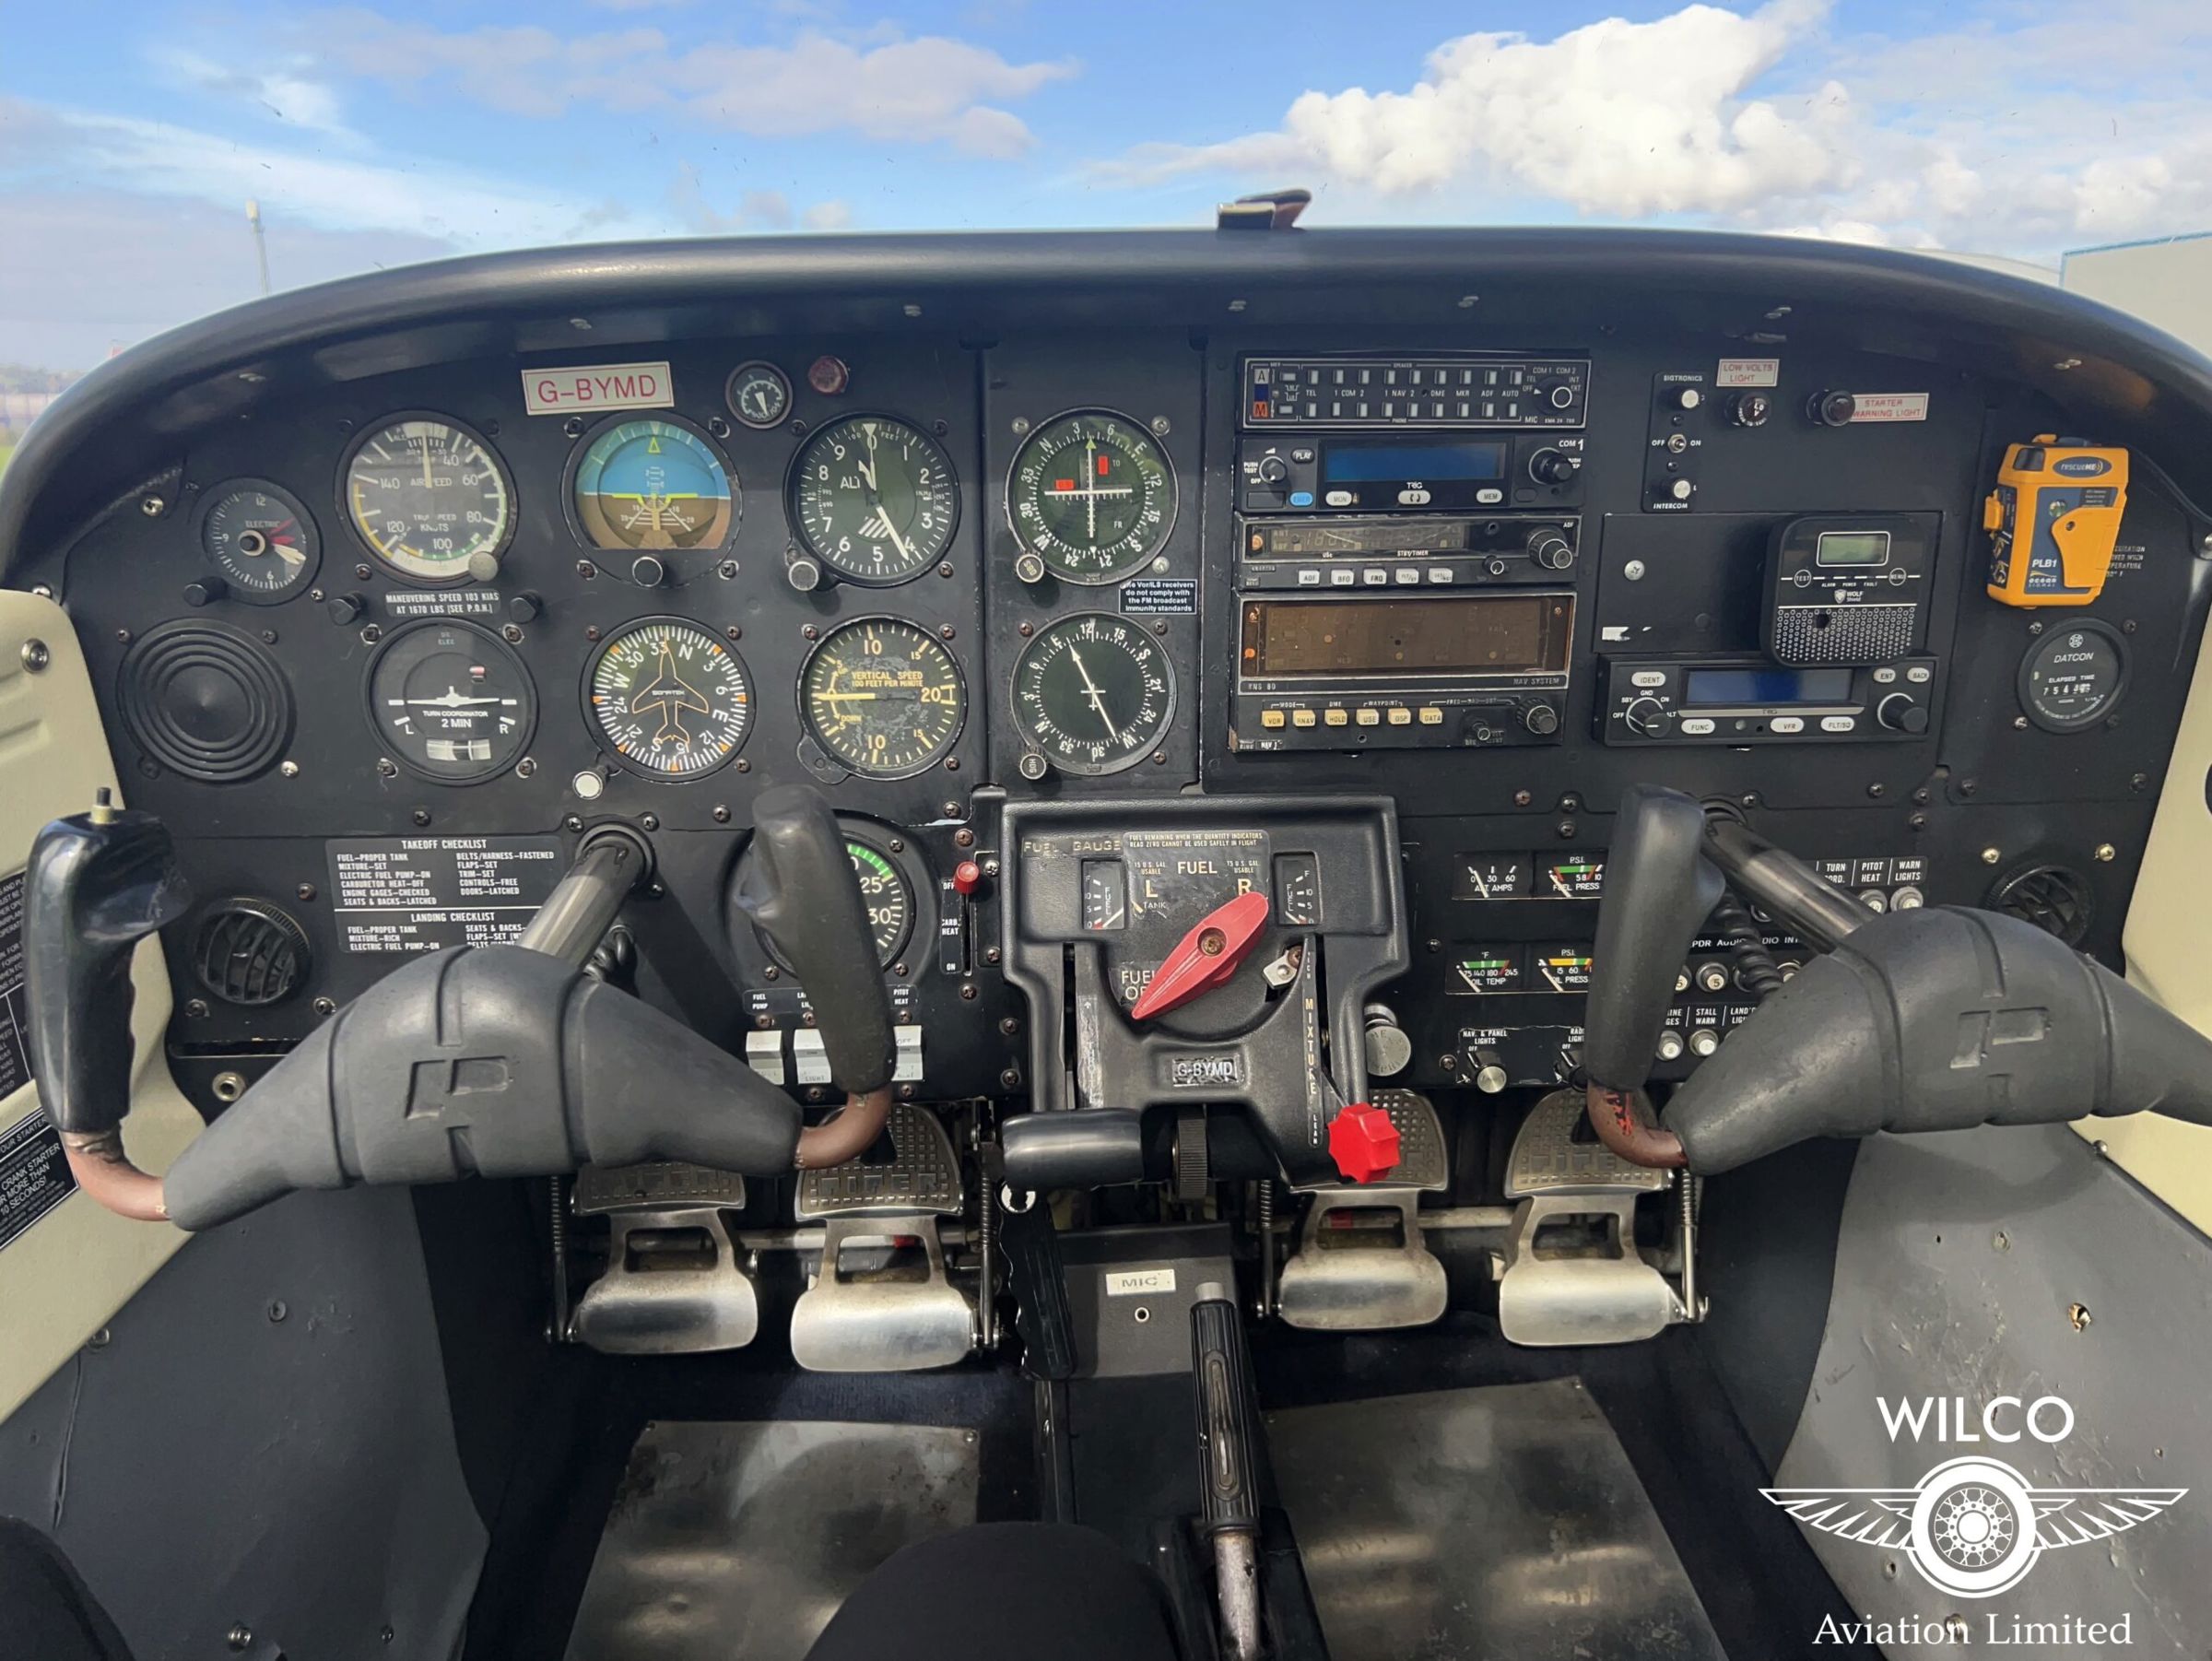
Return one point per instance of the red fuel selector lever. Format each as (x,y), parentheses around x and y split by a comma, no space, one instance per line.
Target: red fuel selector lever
(1206,956)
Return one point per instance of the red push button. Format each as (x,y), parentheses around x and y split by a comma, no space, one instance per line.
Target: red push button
(967,876)
(1363,1142)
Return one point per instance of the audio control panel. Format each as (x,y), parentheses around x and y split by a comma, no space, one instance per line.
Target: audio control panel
(1365,391)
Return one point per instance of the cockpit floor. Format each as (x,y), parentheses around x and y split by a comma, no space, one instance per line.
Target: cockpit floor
(1503,1524)
(737,1542)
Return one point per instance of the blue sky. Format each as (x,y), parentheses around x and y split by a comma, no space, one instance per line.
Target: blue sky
(390,131)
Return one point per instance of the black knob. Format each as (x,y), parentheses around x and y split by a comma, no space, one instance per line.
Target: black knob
(1541,719)
(803,571)
(524,607)
(647,571)
(1561,395)
(1550,549)
(1832,409)
(1685,398)
(1750,408)
(1549,467)
(1647,717)
(1901,713)
(1274,470)
(205,591)
(344,609)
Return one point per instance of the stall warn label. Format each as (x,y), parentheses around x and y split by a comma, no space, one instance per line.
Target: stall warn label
(425,893)
(599,386)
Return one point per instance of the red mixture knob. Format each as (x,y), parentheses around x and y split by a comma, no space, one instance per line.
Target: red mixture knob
(1363,1142)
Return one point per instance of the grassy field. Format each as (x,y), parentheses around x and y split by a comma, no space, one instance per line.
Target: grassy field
(7,449)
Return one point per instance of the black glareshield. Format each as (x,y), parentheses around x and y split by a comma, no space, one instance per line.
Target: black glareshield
(1658,890)
(804,898)
(1939,1019)
(95,886)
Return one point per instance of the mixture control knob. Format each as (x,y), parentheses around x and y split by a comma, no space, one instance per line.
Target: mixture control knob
(1274,470)
(1901,713)
(1647,718)
(1490,1075)
(1388,1049)
(1541,719)
(1550,549)
(1685,398)
(1704,1042)
(1831,409)
(1750,408)
(1549,467)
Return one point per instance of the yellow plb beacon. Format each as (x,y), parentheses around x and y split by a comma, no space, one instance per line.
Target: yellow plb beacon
(2053,520)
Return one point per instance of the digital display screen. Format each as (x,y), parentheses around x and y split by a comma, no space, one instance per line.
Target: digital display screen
(1487,635)
(1706,689)
(1851,548)
(1387,464)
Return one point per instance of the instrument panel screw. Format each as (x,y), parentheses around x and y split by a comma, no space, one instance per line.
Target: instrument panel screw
(990,867)
(1159,758)
(962,837)
(361,573)
(768,972)
(944,570)
(722,814)
(326,1005)
(386,768)
(196,1007)
(906,1092)
(2019,724)
(1521,798)
(1564,830)
(2106,853)
(1159,427)
(1968,786)
(2139,782)
(2127,626)
(897,845)
(526,768)
(122,637)
(586,569)
(1749,799)
(1009,1025)
(1990,856)
(1448,1062)
(952,810)
(726,571)
(1633,571)
(991,954)
(650,821)
(240,1636)
(36,655)
(277,1310)
(289,770)
(899,970)
(306,891)
(371,634)
(149,769)
(153,507)
(1956,1630)
(1570,802)
(1919,821)
(718,427)
(421,816)
(810,633)
(1876,789)
(384,1634)
(2034,630)
(44,590)
(952,764)
(512,633)
(1467,302)
(968,992)
(1020,425)
(944,631)
(574,426)
(1011,1079)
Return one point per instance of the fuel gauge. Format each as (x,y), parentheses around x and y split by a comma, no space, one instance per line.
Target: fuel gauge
(1105,895)
(1297,890)
(1579,878)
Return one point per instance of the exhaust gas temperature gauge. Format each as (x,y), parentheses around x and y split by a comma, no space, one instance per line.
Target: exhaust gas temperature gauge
(1093,693)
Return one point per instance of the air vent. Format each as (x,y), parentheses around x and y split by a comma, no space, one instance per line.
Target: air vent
(2055,899)
(250,953)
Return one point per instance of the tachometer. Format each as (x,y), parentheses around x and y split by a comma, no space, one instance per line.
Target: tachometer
(655,484)
(1091,495)
(1093,692)
(883,698)
(261,540)
(451,700)
(427,496)
(670,698)
(874,499)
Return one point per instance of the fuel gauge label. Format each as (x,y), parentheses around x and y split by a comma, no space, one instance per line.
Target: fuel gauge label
(1176,874)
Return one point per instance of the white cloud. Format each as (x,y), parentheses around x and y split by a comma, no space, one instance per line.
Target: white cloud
(828,216)
(283,92)
(880,84)
(1999,131)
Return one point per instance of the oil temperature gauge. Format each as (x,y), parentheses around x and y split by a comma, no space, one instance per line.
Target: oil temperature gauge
(1488,969)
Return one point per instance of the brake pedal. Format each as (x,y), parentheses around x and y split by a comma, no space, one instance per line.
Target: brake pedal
(870,1307)
(1572,1274)
(1361,1264)
(675,1281)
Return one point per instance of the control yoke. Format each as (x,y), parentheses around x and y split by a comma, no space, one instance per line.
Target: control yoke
(484,1061)
(1934,1019)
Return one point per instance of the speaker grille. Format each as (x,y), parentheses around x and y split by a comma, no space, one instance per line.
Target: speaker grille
(205,700)
(1842,634)
(249,953)
(2055,899)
